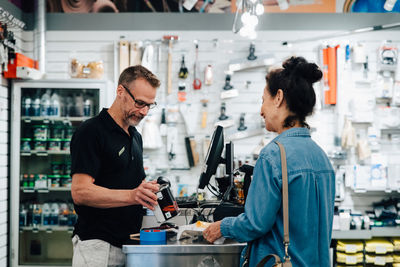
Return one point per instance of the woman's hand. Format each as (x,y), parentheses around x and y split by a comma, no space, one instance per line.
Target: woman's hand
(212,232)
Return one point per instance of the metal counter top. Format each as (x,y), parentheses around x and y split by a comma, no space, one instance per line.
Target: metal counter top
(184,254)
(181,247)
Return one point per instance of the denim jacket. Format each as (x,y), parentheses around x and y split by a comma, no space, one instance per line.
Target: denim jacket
(311,202)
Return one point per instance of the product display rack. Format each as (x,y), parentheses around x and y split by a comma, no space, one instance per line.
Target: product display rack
(367,234)
(40,166)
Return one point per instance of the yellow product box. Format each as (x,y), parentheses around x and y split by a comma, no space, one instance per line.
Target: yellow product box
(379,260)
(349,258)
(349,246)
(378,246)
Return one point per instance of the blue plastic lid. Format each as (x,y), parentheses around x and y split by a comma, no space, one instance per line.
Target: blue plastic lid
(153,237)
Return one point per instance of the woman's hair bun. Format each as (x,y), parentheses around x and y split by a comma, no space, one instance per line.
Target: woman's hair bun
(300,67)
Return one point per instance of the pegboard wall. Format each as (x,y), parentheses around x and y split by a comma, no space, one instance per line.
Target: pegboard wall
(216,48)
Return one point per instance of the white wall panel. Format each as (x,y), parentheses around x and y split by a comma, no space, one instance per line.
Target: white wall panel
(3,194)
(100,45)
(3,183)
(4,114)
(3,205)
(3,241)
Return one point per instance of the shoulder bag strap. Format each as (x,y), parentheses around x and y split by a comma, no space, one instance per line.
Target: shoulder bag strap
(285,198)
(285,204)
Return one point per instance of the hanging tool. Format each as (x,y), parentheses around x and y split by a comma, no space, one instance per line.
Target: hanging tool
(242,127)
(204,103)
(252,49)
(196,81)
(208,75)
(228,85)
(183,71)
(135,55)
(163,124)
(330,72)
(172,138)
(147,57)
(189,114)
(228,92)
(151,133)
(170,39)
(182,92)
(223,119)
(123,55)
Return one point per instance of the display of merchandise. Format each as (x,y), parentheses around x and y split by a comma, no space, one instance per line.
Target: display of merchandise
(50,104)
(41,169)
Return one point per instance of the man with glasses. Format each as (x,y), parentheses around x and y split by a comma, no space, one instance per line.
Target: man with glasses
(108,186)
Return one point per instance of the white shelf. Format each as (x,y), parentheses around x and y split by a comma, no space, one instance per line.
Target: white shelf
(367,234)
(44,153)
(49,119)
(45,190)
(47,229)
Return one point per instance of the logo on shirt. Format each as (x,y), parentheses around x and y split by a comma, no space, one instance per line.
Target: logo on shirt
(121,151)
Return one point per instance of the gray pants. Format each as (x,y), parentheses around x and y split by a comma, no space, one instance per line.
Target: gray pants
(96,253)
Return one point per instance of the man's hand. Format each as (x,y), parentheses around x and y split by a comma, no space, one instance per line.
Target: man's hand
(145,195)
(212,232)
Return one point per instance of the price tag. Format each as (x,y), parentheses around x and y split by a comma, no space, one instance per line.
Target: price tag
(381,261)
(380,250)
(351,259)
(351,249)
(86,70)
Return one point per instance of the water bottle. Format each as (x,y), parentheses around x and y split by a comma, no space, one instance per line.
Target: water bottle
(88,107)
(45,104)
(54,213)
(46,214)
(26,106)
(23,216)
(55,105)
(36,106)
(69,107)
(78,101)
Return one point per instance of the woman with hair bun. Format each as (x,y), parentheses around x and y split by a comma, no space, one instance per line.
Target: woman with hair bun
(288,99)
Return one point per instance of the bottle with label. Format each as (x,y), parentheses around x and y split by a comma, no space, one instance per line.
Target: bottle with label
(88,106)
(26,106)
(36,105)
(37,215)
(23,216)
(55,105)
(78,102)
(45,104)
(54,213)
(46,214)
(69,106)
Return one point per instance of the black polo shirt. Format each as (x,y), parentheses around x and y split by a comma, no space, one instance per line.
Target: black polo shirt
(103,150)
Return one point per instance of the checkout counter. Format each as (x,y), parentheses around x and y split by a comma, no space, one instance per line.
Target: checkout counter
(195,251)
(176,253)
(189,252)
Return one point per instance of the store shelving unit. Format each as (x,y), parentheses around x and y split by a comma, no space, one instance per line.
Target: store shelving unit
(43,153)
(47,229)
(33,243)
(45,190)
(367,234)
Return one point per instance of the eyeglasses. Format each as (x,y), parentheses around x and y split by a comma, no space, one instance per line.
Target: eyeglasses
(140,103)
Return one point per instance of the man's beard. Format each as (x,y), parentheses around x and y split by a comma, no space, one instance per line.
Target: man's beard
(133,119)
